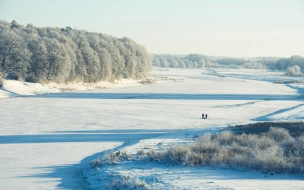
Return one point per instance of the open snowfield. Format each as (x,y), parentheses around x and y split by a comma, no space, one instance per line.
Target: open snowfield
(48,140)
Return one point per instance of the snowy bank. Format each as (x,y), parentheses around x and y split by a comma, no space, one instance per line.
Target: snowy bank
(13,88)
(129,174)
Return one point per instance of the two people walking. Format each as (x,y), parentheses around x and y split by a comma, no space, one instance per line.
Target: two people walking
(204,116)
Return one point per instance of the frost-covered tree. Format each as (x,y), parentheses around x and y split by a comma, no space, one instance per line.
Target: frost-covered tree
(254,65)
(156,62)
(38,60)
(65,55)
(14,24)
(294,70)
(14,55)
(180,61)
(199,59)
(174,63)
(164,63)
(181,64)
(90,58)
(284,63)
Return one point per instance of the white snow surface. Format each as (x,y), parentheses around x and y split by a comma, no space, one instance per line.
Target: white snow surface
(48,140)
(13,88)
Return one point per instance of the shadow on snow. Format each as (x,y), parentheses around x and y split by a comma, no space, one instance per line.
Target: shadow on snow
(173,96)
(266,117)
(83,136)
(70,176)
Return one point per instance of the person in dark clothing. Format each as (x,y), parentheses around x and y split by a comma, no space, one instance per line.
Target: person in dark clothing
(203,117)
(206,116)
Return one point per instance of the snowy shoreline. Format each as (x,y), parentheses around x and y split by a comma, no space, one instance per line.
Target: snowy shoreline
(13,88)
(166,176)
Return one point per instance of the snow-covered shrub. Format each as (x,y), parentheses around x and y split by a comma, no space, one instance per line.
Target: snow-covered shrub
(140,184)
(154,155)
(278,134)
(274,151)
(141,153)
(179,155)
(268,160)
(112,158)
(260,141)
(124,181)
(294,70)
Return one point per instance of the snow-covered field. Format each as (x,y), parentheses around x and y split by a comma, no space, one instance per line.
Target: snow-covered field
(48,140)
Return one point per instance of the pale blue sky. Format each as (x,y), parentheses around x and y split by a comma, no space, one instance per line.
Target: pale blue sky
(212,27)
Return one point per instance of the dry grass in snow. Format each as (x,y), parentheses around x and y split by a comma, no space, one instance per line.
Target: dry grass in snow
(125,181)
(112,158)
(274,151)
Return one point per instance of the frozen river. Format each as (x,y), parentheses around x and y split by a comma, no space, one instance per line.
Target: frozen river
(46,140)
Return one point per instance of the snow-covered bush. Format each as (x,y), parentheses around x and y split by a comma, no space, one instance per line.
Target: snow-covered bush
(141,153)
(274,151)
(294,70)
(111,158)
(278,134)
(124,181)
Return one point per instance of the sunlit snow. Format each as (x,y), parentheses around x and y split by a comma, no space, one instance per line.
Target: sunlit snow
(47,140)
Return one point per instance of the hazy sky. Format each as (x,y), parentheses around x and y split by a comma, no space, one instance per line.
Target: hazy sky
(212,27)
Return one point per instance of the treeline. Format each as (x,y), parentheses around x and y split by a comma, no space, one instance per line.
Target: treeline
(201,61)
(179,61)
(284,63)
(65,55)
(192,60)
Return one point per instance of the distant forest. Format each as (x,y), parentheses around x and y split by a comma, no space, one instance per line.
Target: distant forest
(201,61)
(67,55)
